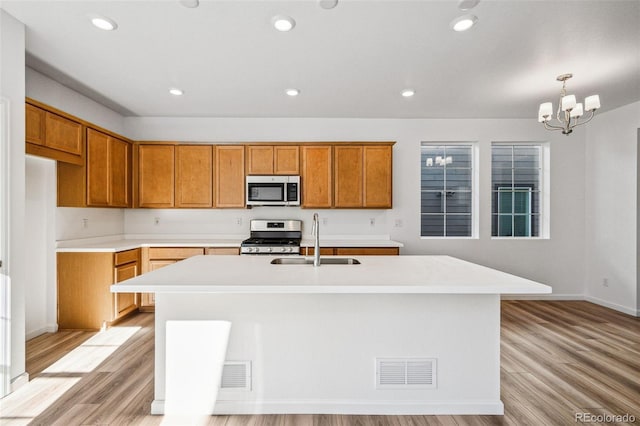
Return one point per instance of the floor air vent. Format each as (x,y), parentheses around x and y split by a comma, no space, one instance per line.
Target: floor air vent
(405,373)
(236,375)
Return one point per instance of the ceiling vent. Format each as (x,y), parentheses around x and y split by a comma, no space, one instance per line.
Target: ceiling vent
(236,375)
(405,373)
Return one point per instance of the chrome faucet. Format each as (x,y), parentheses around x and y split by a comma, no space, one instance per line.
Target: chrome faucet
(315,230)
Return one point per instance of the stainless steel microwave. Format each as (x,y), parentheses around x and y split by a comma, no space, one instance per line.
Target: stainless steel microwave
(273,190)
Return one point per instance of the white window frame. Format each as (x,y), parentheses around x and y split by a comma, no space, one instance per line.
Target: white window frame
(475,179)
(545,189)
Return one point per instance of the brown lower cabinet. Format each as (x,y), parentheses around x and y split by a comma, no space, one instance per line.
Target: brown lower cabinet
(353,251)
(85,300)
(159,257)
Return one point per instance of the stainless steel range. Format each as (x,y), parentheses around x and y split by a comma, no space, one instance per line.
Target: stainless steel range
(273,237)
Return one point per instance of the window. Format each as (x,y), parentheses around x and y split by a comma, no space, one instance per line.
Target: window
(517,184)
(447,201)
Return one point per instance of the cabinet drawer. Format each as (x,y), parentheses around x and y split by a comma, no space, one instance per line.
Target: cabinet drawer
(174,252)
(368,251)
(126,272)
(223,250)
(128,256)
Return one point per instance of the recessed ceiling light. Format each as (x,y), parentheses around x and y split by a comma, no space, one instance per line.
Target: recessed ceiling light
(176,92)
(283,23)
(407,93)
(463,23)
(104,23)
(292,92)
(190,3)
(328,4)
(467,4)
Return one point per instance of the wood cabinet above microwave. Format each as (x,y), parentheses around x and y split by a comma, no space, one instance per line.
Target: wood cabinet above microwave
(273,159)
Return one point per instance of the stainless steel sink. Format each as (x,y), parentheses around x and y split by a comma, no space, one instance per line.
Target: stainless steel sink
(324,261)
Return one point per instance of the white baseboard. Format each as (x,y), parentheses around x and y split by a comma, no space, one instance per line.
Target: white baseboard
(542,297)
(19,381)
(614,306)
(345,407)
(51,328)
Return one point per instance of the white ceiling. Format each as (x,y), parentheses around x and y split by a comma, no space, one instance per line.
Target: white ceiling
(350,61)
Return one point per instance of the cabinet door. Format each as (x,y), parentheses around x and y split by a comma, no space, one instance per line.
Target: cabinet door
(229,176)
(119,173)
(259,159)
(194,176)
(63,134)
(156,176)
(35,128)
(347,166)
(377,176)
(317,182)
(125,302)
(286,160)
(97,168)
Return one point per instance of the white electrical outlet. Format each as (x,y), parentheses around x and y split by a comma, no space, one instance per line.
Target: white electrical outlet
(156,220)
(325,221)
(398,223)
(372,221)
(85,223)
(238,221)
(605,282)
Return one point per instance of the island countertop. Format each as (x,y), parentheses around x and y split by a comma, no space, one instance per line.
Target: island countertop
(375,274)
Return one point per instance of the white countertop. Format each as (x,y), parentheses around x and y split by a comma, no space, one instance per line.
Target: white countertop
(375,274)
(106,244)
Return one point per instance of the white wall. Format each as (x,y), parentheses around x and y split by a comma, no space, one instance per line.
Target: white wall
(43,89)
(73,223)
(558,261)
(12,42)
(612,208)
(40,214)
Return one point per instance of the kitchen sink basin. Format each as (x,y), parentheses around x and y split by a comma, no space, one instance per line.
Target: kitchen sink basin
(323,261)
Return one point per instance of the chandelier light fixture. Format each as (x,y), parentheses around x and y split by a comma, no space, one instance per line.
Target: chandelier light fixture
(569,112)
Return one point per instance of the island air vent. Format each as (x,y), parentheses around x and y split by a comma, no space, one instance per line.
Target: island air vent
(236,375)
(405,373)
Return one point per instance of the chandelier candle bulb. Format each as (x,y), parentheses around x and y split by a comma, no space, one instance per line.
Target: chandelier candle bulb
(576,111)
(568,102)
(592,103)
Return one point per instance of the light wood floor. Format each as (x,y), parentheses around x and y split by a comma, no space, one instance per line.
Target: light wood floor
(558,359)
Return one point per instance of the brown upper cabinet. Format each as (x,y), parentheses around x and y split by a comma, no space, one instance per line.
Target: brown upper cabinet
(156,173)
(194,176)
(316,176)
(104,178)
(362,176)
(51,135)
(347,172)
(229,176)
(273,160)
(171,175)
(108,170)
(377,174)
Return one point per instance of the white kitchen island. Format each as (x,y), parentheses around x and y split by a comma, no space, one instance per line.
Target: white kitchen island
(392,335)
